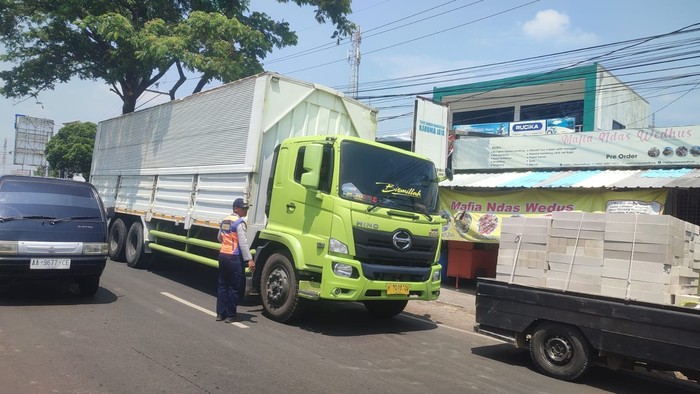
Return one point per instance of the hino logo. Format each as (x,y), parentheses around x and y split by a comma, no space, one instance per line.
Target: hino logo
(373,226)
(402,240)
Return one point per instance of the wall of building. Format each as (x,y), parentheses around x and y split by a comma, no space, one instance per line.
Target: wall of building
(615,101)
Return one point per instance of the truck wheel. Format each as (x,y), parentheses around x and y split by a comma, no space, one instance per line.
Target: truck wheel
(385,309)
(280,288)
(117,239)
(134,253)
(88,285)
(560,351)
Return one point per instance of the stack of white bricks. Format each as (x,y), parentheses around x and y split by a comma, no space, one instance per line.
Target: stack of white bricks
(650,258)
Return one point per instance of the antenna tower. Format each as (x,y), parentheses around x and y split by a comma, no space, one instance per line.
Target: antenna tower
(354,60)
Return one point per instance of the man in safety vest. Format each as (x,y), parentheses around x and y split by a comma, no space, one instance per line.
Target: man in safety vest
(233,255)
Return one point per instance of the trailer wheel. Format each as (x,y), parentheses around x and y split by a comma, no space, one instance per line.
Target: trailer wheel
(134,253)
(560,351)
(117,240)
(385,309)
(280,289)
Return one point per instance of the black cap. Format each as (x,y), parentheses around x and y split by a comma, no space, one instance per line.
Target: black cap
(240,203)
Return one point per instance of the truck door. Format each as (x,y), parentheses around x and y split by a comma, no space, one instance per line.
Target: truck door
(302,204)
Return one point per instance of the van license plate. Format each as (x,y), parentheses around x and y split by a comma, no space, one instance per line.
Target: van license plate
(397,288)
(49,264)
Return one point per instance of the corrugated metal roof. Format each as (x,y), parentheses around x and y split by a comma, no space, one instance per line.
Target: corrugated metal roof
(619,179)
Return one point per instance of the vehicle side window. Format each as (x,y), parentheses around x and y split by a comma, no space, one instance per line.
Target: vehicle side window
(326,176)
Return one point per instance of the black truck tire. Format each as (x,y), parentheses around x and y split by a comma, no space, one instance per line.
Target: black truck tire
(385,309)
(280,289)
(117,240)
(135,256)
(560,351)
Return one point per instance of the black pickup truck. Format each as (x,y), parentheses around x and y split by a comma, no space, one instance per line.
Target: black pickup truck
(568,332)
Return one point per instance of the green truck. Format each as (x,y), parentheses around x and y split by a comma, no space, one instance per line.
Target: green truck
(334,215)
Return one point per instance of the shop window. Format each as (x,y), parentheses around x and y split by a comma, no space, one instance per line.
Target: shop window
(491,115)
(617,125)
(553,110)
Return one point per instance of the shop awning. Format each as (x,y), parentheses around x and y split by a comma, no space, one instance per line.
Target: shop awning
(610,179)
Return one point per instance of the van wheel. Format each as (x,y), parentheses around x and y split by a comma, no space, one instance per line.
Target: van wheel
(117,239)
(88,285)
(560,351)
(280,289)
(134,253)
(385,309)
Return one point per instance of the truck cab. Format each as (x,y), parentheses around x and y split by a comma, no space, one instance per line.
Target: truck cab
(348,220)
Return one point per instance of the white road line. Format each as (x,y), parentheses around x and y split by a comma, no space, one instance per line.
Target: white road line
(452,328)
(199,308)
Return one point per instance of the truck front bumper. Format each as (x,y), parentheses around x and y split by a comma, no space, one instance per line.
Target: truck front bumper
(338,288)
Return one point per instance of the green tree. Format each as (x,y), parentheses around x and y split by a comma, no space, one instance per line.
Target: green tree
(70,150)
(131,44)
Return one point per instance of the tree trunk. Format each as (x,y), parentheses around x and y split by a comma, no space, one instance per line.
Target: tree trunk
(128,103)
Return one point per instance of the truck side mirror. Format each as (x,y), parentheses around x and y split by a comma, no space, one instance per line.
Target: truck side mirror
(312,166)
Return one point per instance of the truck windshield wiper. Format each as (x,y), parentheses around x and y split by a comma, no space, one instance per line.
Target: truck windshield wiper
(69,218)
(421,209)
(376,204)
(11,218)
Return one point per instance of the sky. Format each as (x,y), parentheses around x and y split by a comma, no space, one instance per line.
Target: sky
(410,46)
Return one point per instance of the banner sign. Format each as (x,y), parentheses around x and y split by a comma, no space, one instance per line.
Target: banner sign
(672,146)
(430,132)
(499,129)
(530,127)
(561,125)
(477,216)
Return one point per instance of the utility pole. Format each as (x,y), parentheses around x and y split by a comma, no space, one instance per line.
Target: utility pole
(4,157)
(354,60)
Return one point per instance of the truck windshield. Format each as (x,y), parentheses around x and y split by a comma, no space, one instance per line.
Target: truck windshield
(385,178)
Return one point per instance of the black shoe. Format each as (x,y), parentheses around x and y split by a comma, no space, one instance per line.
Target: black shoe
(231,319)
(219,318)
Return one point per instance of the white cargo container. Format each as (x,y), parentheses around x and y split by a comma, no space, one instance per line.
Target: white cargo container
(185,161)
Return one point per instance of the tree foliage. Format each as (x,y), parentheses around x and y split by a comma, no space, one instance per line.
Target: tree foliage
(131,44)
(70,151)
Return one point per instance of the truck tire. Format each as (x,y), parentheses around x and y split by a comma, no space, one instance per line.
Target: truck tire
(560,351)
(87,286)
(133,248)
(280,289)
(117,240)
(385,309)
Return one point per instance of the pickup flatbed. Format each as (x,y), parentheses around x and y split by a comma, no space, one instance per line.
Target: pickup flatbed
(567,332)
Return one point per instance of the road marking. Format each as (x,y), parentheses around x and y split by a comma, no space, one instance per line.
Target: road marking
(199,308)
(451,328)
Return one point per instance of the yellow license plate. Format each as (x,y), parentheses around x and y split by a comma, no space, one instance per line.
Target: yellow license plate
(397,288)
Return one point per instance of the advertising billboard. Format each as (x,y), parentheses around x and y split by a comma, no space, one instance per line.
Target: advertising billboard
(650,147)
(31,136)
(430,131)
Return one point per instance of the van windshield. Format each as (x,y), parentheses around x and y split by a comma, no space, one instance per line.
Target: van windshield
(49,200)
(386,178)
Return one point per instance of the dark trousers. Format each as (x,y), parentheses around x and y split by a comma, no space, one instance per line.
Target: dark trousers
(231,289)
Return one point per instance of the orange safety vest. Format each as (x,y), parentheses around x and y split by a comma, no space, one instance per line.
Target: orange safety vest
(229,237)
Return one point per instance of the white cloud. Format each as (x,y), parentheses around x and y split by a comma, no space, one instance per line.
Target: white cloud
(555,26)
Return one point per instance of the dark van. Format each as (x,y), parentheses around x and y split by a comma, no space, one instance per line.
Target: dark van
(52,229)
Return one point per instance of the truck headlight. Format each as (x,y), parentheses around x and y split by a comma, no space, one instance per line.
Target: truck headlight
(436,275)
(337,246)
(343,270)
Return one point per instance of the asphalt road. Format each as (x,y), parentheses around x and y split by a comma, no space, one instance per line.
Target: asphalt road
(154,331)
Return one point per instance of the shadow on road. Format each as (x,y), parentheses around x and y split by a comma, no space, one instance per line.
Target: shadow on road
(324,317)
(622,382)
(50,292)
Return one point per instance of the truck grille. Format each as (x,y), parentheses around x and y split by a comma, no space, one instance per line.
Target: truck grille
(381,260)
